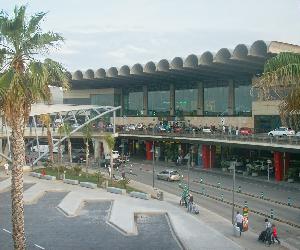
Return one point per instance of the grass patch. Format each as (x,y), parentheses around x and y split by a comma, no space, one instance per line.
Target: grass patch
(75,174)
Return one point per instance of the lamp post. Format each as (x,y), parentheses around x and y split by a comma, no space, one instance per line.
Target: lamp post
(269,163)
(233,191)
(153,161)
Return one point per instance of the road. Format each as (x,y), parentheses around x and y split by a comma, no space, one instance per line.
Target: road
(142,172)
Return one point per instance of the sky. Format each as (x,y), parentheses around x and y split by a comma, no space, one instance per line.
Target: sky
(106,33)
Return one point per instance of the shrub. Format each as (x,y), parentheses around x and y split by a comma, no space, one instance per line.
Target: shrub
(123,183)
(77,170)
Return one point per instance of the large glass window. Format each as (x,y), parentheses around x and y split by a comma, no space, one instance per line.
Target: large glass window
(243,100)
(186,97)
(215,99)
(103,99)
(159,100)
(133,101)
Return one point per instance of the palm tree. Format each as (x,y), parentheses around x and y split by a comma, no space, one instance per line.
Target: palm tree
(281,77)
(110,140)
(68,129)
(87,133)
(60,131)
(24,80)
(46,121)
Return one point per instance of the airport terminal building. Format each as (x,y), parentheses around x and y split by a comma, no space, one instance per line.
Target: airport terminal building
(200,89)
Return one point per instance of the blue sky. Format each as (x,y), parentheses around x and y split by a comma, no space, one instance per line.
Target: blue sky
(101,34)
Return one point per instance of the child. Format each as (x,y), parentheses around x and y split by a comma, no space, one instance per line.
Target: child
(274,234)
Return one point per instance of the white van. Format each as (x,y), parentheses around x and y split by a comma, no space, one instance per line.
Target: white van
(115,155)
(44,147)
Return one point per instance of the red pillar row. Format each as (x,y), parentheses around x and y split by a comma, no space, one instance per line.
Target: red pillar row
(278,166)
(208,156)
(148,150)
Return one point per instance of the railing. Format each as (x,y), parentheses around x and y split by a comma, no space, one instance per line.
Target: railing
(259,138)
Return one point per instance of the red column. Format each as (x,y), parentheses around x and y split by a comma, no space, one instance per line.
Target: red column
(148,150)
(286,161)
(212,155)
(205,156)
(278,166)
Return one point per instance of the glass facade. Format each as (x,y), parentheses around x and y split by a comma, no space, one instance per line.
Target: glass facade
(243,100)
(133,101)
(216,99)
(186,98)
(103,99)
(159,100)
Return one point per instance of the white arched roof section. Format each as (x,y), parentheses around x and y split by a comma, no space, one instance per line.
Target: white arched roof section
(223,55)
(240,52)
(124,71)
(77,75)
(206,58)
(163,65)
(112,72)
(177,63)
(149,67)
(100,73)
(89,74)
(137,69)
(259,48)
(191,61)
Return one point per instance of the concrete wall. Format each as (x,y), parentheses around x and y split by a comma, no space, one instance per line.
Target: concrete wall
(85,93)
(265,108)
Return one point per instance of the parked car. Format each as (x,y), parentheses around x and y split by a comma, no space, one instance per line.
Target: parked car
(282,131)
(169,175)
(297,134)
(44,147)
(245,131)
(115,155)
(206,130)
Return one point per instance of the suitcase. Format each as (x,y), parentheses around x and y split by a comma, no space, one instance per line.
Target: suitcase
(236,231)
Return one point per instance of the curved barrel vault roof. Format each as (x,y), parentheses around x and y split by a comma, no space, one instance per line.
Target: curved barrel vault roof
(243,59)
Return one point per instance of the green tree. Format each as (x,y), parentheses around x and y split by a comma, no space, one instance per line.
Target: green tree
(87,133)
(110,140)
(24,80)
(281,77)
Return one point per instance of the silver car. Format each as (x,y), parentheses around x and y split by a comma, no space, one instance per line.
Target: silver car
(169,175)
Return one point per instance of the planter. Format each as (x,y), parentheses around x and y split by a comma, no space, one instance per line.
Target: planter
(254,174)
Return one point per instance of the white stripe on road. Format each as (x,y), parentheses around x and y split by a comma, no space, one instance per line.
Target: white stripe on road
(6,231)
(39,246)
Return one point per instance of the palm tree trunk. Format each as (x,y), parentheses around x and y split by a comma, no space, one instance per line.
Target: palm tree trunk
(86,155)
(50,142)
(18,149)
(70,150)
(111,164)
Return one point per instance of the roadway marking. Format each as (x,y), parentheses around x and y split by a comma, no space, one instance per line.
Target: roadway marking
(39,246)
(6,231)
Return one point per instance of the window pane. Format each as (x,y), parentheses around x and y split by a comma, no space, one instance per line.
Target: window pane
(159,100)
(186,97)
(243,100)
(216,100)
(133,101)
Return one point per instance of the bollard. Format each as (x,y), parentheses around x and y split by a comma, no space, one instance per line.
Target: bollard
(289,201)
(239,189)
(246,204)
(219,184)
(272,214)
(222,197)
(201,180)
(262,195)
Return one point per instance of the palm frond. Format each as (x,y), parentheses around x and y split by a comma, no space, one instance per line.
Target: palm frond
(5,82)
(34,22)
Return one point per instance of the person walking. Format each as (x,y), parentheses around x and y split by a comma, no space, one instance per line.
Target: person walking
(274,234)
(239,221)
(268,232)
(6,168)
(190,204)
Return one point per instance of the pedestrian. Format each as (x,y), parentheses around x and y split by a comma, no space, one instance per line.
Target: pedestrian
(268,232)
(123,174)
(239,221)
(6,168)
(274,234)
(237,130)
(190,204)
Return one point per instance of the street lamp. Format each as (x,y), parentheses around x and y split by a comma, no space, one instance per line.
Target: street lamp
(153,161)
(269,163)
(233,191)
